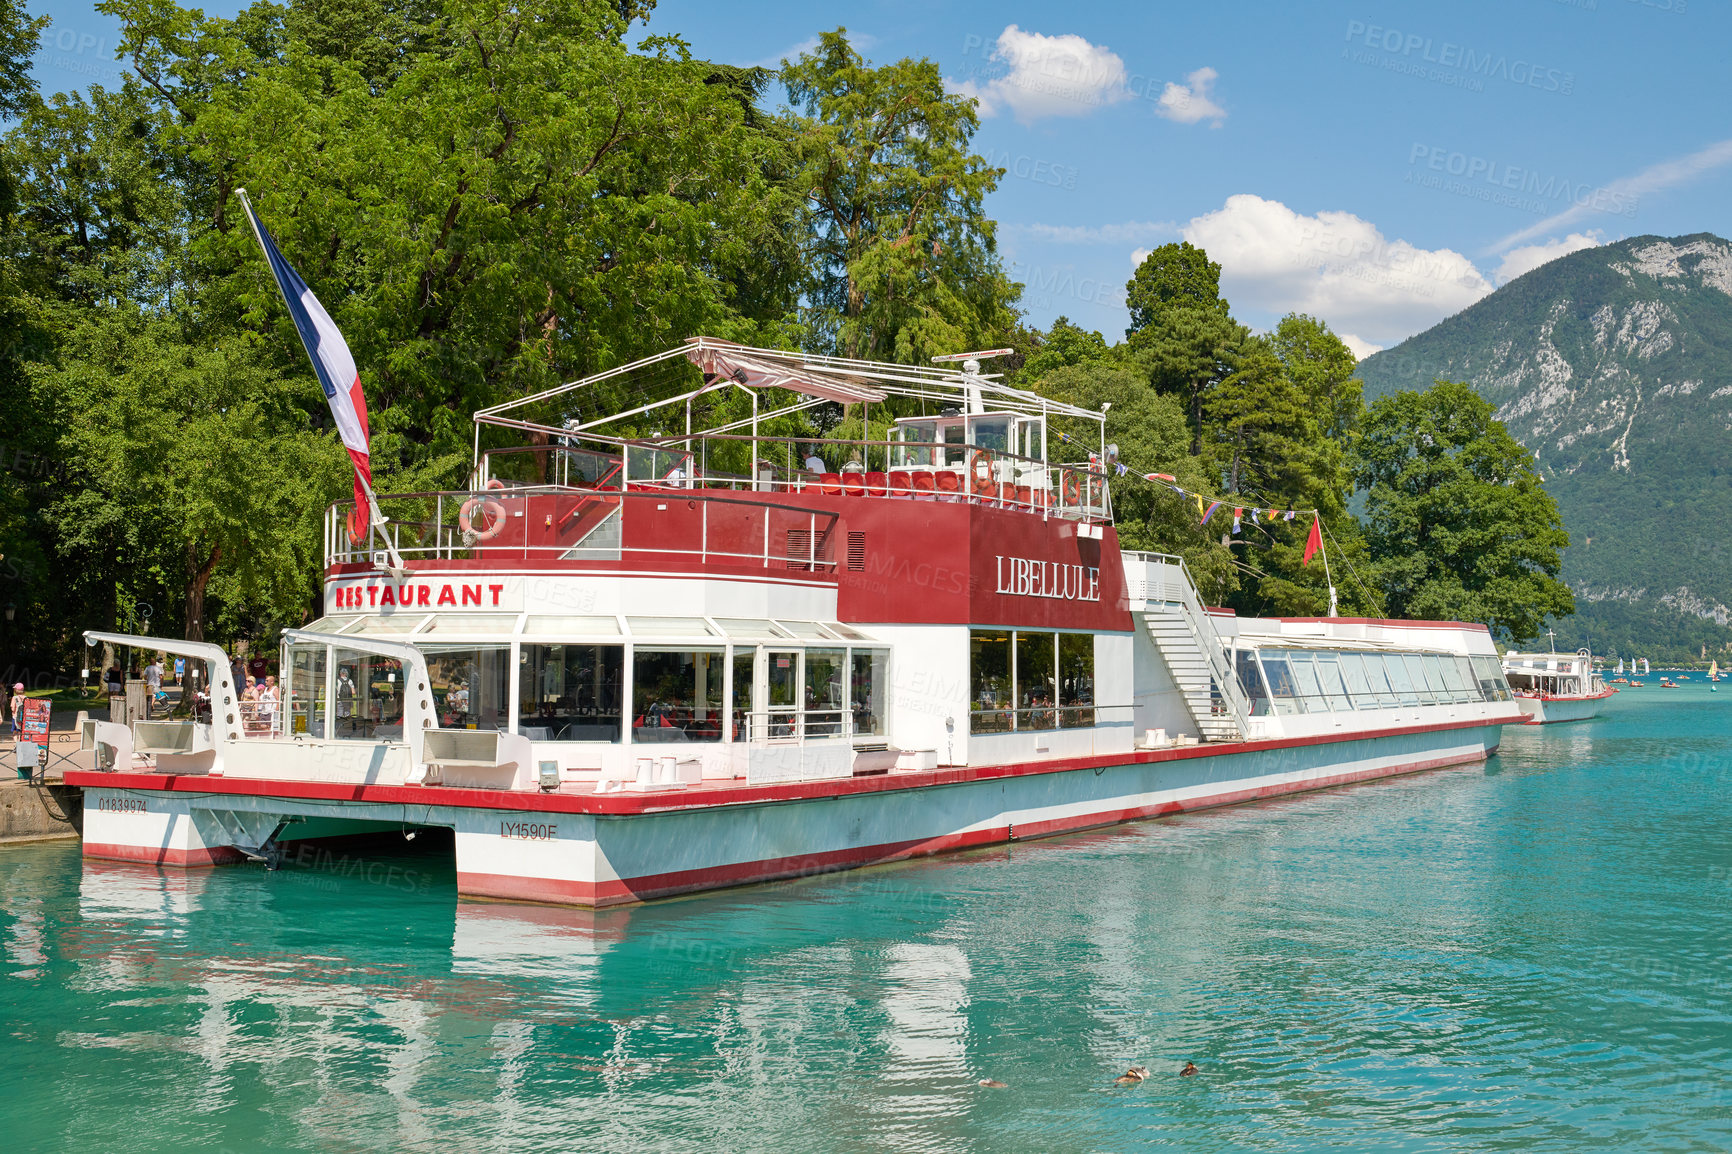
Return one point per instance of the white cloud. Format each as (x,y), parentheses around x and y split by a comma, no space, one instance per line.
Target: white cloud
(1128,232)
(1192,101)
(1334,266)
(1629,189)
(1360,349)
(1529,257)
(1049,76)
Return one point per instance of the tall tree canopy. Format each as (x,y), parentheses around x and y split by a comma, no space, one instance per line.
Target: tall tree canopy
(1458,524)
(1181,328)
(904,260)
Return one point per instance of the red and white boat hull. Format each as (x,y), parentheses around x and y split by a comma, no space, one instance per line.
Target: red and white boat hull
(606,850)
(1547,710)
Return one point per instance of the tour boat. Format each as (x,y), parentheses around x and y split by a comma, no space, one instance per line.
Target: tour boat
(666,649)
(1556,687)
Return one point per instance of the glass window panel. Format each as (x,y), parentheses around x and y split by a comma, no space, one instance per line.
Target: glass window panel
(1251,681)
(369,697)
(1329,677)
(1434,677)
(1377,680)
(845,631)
(1395,668)
(387,625)
(1076,680)
(826,692)
(306,689)
(992,432)
(750,628)
(490,624)
(1280,681)
(1428,692)
(1036,670)
(805,630)
(676,695)
(1457,676)
(571,692)
(669,627)
(745,666)
(989,681)
(916,431)
(1307,691)
(866,688)
(1352,666)
(469,685)
(329,624)
(540,625)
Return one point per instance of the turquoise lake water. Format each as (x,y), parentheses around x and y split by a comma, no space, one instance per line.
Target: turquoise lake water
(1533,954)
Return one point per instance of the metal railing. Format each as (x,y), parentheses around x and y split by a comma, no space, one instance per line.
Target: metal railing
(1172,584)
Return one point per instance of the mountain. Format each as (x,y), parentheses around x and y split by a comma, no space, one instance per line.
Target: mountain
(1614,364)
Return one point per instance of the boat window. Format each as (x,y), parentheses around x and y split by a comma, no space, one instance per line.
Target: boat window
(306,690)
(752,628)
(468,623)
(1458,675)
(543,626)
(1036,672)
(1251,683)
(911,456)
(1440,691)
(989,681)
(955,443)
(329,624)
(1352,666)
(1329,678)
(740,705)
(1280,679)
(991,432)
(469,685)
(834,629)
(826,674)
(570,692)
(1400,683)
(1076,680)
(669,627)
(676,695)
(782,677)
(1377,679)
(369,697)
(805,630)
(392,624)
(1493,685)
(1306,689)
(867,683)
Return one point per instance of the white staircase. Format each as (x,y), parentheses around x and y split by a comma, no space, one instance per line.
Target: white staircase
(1160,589)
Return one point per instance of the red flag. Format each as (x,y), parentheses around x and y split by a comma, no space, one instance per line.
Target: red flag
(1312,543)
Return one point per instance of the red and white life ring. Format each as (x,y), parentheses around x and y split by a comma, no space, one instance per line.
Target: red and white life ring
(356,524)
(1072,490)
(495,513)
(980,473)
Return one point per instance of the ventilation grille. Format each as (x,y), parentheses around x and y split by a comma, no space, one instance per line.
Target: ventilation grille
(800,549)
(856,552)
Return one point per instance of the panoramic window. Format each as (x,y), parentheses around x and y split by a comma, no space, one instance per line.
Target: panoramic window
(782,668)
(1251,682)
(1076,680)
(866,691)
(368,697)
(825,696)
(570,692)
(1036,672)
(469,685)
(676,695)
(989,688)
(1280,677)
(740,706)
(306,689)
(1330,680)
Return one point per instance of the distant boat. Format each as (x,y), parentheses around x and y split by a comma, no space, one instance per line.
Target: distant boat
(1645,669)
(1713,671)
(1619,671)
(1668,683)
(1553,687)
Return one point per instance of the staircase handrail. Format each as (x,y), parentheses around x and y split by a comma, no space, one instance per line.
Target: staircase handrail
(1209,641)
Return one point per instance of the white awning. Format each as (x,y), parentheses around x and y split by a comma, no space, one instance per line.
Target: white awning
(757,373)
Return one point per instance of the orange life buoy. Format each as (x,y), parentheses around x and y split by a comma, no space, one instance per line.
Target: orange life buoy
(493,509)
(356,524)
(980,473)
(1072,490)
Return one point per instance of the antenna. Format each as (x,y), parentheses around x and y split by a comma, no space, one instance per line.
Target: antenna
(971,372)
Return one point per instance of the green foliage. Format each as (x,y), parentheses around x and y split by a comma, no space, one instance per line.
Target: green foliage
(904,261)
(1458,525)
(1063,344)
(1181,330)
(1173,276)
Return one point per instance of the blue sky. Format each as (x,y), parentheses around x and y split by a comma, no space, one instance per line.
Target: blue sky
(1379,165)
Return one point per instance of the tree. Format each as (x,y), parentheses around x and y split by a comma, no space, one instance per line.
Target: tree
(1063,344)
(1181,329)
(903,258)
(1458,524)
(1322,365)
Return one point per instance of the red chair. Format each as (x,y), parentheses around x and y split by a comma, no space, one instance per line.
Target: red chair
(877,485)
(1024,497)
(923,484)
(830,483)
(854,484)
(948,483)
(901,483)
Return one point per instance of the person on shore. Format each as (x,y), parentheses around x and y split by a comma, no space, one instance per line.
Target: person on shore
(15,712)
(115,680)
(152,685)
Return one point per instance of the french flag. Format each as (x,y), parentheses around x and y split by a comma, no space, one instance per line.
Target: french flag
(330,357)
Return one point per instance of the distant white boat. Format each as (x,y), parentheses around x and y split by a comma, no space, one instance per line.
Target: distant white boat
(1555,687)
(1619,671)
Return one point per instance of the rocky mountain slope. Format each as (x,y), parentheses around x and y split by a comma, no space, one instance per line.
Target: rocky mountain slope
(1615,365)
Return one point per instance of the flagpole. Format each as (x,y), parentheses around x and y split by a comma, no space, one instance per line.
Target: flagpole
(377,520)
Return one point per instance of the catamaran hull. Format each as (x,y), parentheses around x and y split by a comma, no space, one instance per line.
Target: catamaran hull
(579,849)
(1549,710)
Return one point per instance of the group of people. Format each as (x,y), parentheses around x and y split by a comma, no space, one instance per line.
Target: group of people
(259,704)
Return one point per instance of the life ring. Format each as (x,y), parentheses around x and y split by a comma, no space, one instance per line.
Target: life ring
(1072,490)
(980,473)
(356,524)
(495,515)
